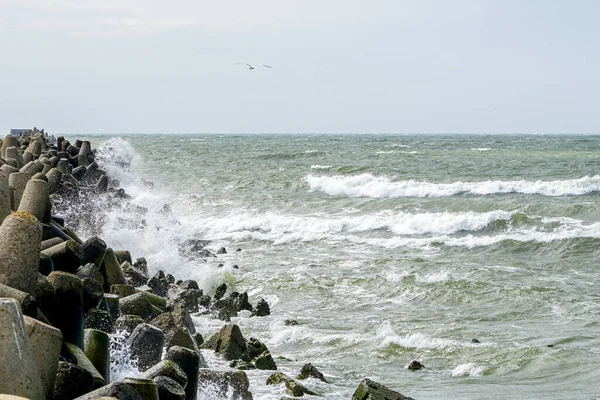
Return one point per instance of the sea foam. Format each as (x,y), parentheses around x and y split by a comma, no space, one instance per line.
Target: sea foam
(368,185)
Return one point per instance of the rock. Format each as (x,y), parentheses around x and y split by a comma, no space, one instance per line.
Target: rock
(290,322)
(145,345)
(475,341)
(224,309)
(19,374)
(111,269)
(168,389)
(415,366)
(242,365)
(220,291)
(123,255)
(204,301)
(293,388)
(230,343)
(187,298)
(71,381)
(222,250)
(99,319)
(118,390)
(141,265)
(189,361)
(310,371)
(170,279)
(169,369)
(46,342)
(138,304)
(262,309)
(189,284)
(113,305)
(224,384)
(240,300)
(198,339)
(265,361)
(370,390)
(193,247)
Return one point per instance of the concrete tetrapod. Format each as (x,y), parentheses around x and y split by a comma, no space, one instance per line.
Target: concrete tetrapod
(145,387)
(19,374)
(97,350)
(67,313)
(4,196)
(17,182)
(20,239)
(35,198)
(46,342)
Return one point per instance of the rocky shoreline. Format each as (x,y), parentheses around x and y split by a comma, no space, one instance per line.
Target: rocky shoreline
(65,303)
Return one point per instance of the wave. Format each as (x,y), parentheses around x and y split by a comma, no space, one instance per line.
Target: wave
(368,185)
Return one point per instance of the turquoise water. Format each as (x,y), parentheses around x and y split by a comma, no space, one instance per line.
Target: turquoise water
(386,249)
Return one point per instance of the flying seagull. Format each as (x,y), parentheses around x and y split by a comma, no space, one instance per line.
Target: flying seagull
(251,67)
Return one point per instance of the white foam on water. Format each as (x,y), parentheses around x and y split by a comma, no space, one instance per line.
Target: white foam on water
(121,364)
(386,335)
(368,185)
(321,166)
(481,149)
(470,369)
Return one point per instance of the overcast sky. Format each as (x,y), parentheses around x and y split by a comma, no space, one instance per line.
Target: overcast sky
(77,66)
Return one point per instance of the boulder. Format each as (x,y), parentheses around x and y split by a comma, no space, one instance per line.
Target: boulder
(189,361)
(371,390)
(118,390)
(262,309)
(293,388)
(310,371)
(138,304)
(228,342)
(127,323)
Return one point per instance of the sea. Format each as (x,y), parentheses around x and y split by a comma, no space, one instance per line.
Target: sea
(477,255)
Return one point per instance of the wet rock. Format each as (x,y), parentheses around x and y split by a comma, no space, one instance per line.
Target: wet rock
(145,344)
(142,265)
(220,292)
(265,361)
(90,270)
(224,384)
(71,381)
(222,250)
(168,389)
(189,284)
(240,300)
(198,339)
(262,309)
(310,371)
(293,388)
(290,322)
(475,341)
(228,342)
(415,365)
(175,326)
(242,365)
(370,390)
(76,355)
(224,309)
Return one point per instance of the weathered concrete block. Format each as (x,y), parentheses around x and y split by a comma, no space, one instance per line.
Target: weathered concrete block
(97,349)
(168,389)
(145,345)
(293,388)
(224,384)
(145,387)
(190,362)
(46,342)
(71,381)
(67,313)
(118,390)
(35,198)
(19,373)
(20,240)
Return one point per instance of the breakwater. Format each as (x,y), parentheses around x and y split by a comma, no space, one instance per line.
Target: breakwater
(67,303)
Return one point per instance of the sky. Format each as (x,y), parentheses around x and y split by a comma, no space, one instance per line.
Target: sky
(377,66)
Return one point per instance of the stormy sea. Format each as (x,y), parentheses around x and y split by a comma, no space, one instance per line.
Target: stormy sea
(476,255)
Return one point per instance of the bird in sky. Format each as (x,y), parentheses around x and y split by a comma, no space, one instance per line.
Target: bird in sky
(251,67)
